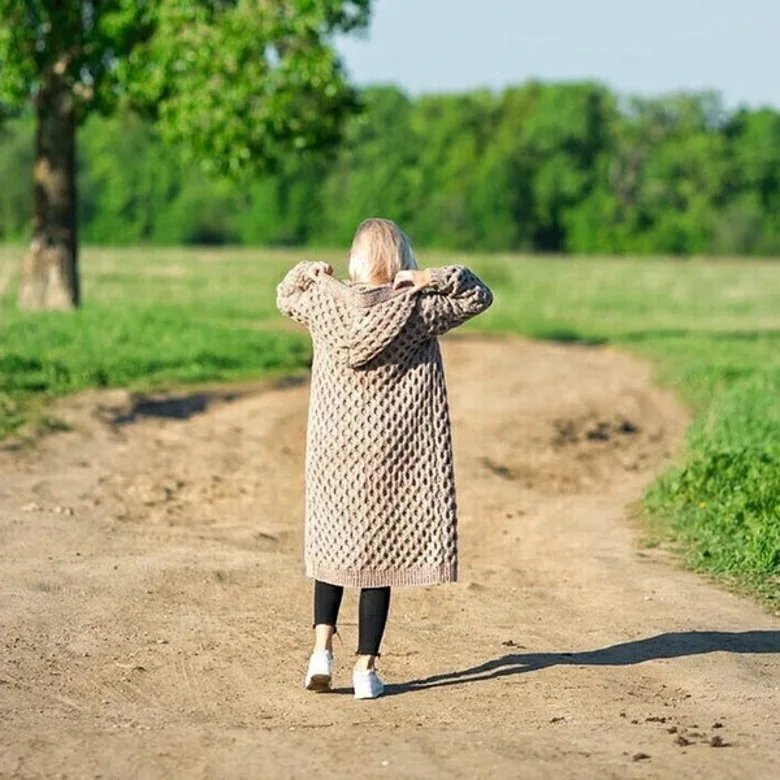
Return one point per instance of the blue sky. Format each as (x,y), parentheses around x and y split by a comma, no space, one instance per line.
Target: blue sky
(648,47)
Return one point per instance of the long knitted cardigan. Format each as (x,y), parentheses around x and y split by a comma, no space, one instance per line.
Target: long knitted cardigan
(380,488)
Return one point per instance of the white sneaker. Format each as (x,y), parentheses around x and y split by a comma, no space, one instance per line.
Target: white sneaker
(367,684)
(320,673)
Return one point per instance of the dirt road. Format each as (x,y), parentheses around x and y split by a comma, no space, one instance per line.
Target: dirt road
(155,621)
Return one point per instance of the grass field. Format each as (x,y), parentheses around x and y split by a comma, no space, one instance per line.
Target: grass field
(162,317)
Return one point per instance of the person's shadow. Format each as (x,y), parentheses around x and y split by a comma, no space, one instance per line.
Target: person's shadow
(673,645)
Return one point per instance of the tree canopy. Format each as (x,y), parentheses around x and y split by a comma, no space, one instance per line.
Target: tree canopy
(236,83)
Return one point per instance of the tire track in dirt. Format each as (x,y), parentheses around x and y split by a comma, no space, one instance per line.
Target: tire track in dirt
(152,577)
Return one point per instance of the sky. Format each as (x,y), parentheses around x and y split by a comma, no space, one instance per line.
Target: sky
(646,47)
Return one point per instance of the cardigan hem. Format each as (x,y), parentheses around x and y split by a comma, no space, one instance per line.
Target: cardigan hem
(382,578)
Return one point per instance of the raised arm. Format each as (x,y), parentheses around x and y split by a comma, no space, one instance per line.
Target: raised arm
(292,298)
(453,295)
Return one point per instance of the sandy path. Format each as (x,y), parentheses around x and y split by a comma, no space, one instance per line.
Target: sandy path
(155,619)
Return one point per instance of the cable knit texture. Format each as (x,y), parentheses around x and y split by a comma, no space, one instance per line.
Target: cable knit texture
(380,487)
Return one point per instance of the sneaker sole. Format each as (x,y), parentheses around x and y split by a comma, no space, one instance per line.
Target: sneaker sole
(369,697)
(319,683)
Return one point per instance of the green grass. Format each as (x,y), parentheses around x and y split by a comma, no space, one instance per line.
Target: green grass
(166,317)
(151,319)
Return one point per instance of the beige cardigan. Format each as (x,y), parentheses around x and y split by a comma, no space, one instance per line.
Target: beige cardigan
(380,487)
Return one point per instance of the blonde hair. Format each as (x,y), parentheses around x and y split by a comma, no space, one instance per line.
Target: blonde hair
(379,251)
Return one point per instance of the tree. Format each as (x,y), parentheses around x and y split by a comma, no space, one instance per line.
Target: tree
(456,130)
(564,137)
(665,183)
(752,221)
(374,173)
(235,83)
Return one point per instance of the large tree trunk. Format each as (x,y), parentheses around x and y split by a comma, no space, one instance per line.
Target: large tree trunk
(49,272)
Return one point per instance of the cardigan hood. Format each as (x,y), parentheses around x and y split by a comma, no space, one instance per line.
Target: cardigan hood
(368,321)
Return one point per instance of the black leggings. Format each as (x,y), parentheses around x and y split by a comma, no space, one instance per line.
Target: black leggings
(373,608)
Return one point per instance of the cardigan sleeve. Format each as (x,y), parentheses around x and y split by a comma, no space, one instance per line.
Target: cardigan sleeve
(454,295)
(292,294)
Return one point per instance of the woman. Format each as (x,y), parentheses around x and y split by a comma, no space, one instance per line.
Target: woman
(380,488)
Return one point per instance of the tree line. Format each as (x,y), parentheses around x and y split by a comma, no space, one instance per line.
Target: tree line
(540,167)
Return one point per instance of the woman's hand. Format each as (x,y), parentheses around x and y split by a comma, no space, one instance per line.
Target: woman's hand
(315,270)
(417,280)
